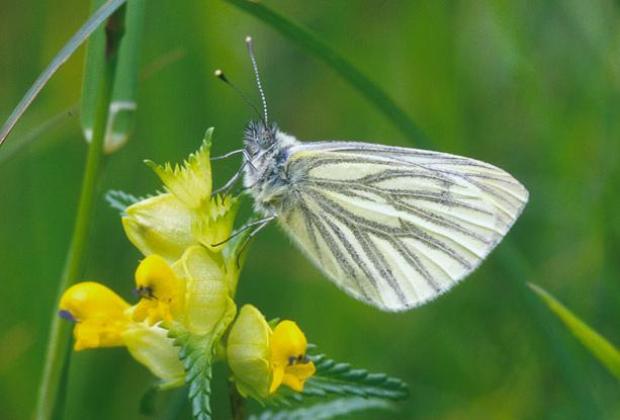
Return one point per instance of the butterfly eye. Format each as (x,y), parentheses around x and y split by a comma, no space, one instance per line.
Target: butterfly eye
(291,360)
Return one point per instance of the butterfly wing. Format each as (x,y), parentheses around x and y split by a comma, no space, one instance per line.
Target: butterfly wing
(396,227)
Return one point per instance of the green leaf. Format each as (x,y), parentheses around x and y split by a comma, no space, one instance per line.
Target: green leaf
(310,42)
(196,353)
(123,103)
(63,55)
(327,409)
(602,349)
(333,378)
(120,200)
(123,106)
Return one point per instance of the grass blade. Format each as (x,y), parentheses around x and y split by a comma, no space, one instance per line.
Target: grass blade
(310,42)
(63,55)
(47,126)
(9,151)
(51,395)
(123,105)
(602,349)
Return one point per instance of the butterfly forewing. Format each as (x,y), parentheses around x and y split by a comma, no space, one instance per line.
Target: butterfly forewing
(396,227)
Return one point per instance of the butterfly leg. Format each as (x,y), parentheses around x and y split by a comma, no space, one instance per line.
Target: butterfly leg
(258,224)
(254,232)
(231,182)
(229,154)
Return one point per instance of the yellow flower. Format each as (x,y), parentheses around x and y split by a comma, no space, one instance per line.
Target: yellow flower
(289,363)
(186,215)
(103,319)
(99,314)
(261,359)
(162,292)
(185,282)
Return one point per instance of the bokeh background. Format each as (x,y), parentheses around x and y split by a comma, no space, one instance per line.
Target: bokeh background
(533,87)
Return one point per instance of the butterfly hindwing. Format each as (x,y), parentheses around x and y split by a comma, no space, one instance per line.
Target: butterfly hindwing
(396,227)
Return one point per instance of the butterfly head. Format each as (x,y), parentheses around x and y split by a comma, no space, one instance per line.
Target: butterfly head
(259,137)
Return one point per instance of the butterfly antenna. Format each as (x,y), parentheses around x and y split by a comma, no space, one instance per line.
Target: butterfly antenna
(249,43)
(220,75)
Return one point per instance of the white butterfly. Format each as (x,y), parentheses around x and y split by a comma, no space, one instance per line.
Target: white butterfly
(391,226)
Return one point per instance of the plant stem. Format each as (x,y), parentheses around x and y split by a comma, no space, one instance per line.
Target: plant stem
(58,341)
(237,405)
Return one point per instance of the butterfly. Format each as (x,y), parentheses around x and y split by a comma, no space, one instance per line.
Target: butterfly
(393,227)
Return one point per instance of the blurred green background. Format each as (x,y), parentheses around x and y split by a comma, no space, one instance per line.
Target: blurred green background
(533,87)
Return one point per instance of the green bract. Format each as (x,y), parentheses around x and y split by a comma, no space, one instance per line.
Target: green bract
(187,214)
(248,353)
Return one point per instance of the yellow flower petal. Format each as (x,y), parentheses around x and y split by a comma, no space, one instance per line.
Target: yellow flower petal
(161,290)
(277,378)
(297,374)
(99,314)
(287,341)
(288,357)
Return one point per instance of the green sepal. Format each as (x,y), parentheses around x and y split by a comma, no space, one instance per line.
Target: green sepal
(190,182)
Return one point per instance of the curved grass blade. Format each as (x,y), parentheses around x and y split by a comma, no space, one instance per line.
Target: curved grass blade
(516,268)
(62,117)
(600,348)
(63,55)
(348,71)
(51,124)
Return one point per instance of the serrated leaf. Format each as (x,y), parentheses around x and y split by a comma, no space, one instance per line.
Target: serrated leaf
(326,410)
(600,348)
(337,378)
(120,200)
(196,353)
